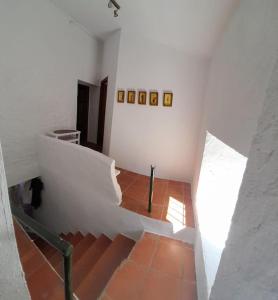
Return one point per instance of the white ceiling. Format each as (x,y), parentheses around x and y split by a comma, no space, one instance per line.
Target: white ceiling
(190,25)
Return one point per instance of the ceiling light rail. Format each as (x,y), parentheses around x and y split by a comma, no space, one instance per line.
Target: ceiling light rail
(113,3)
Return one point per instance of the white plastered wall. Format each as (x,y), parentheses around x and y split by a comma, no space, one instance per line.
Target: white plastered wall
(166,137)
(239,74)
(43,55)
(12,281)
(81,193)
(248,268)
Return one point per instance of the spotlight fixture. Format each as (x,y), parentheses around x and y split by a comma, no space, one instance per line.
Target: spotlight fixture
(113,3)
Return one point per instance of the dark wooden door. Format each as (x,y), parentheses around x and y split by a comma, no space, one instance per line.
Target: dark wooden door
(82,112)
(101,114)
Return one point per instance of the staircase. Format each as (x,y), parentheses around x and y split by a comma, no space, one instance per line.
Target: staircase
(155,268)
(94,261)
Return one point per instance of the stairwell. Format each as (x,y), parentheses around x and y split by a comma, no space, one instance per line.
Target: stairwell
(153,268)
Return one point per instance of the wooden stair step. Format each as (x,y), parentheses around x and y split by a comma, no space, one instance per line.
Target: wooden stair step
(23,243)
(59,294)
(68,236)
(78,250)
(57,257)
(45,248)
(41,279)
(44,283)
(82,247)
(33,263)
(83,266)
(63,236)
(74,239)
(158,268)
(93,284)
(30,256)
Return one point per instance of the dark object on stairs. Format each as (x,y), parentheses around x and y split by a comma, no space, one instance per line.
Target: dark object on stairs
(36,187)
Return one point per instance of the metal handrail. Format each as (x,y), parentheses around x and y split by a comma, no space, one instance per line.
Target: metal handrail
(55,241)
(151,189)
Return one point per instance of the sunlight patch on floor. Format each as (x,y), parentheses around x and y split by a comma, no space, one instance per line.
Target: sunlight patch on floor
(176,214)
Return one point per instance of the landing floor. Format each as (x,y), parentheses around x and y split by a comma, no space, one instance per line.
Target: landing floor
(171,199)
(158,268)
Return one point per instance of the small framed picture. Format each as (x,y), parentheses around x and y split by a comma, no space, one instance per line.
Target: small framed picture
(131,97)
(154,98)
(121,96)
(167,99)
(142,97)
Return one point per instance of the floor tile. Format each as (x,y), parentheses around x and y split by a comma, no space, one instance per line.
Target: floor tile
(160,287)
(171,199)
(165,239)
(176,187)
(148,235)
(156,212)
(158,268)
(136,193)
(144,251)
(189,266)
(188,291)
(169,258)
(127,282)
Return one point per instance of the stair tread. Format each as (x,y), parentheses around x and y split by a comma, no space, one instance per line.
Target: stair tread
(82,247)
(50,251)
(41,279)
(30,256)
(158,268)
(78,251)
(57,257)
(23,244)
(32,264)
(45,248)
(89,259)
(74,239)
(44,282)
(96,280)
(63,236)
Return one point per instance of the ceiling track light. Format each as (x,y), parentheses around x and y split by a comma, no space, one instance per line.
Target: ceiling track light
(117,7)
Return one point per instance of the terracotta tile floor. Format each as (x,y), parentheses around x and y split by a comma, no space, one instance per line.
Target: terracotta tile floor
(158,268)
(171,199)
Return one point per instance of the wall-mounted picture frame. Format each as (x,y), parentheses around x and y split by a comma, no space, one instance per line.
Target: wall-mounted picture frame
(121,96)
(142,97)
(168,99)
(131,97)
(154,98)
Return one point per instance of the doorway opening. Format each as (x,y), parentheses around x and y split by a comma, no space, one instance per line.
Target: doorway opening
(83,98)
(101,114)
(91,104)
